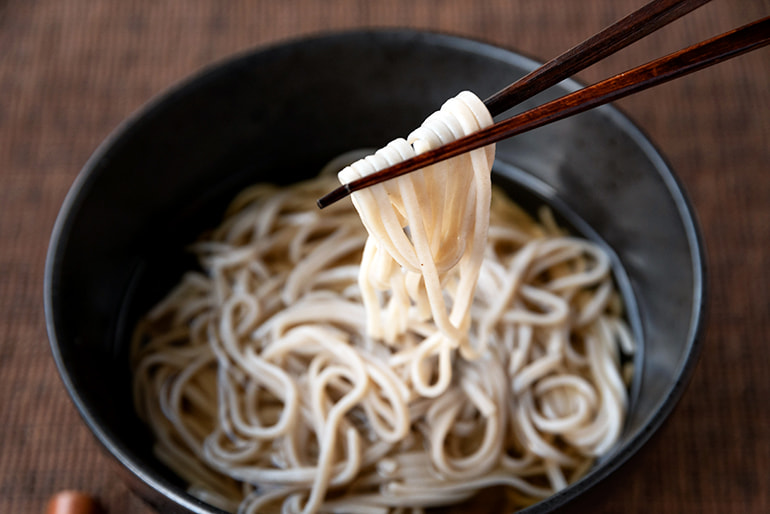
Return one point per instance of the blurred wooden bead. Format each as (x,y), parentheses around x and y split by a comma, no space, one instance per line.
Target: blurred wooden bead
(73,502)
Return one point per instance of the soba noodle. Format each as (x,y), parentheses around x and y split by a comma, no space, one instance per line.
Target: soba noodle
(314,365)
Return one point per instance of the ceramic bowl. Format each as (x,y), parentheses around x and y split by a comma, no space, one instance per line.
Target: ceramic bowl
(278,114)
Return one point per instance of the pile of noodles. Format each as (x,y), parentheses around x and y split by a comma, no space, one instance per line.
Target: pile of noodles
(446,346)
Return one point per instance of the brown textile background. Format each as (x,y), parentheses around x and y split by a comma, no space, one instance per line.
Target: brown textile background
(71,70)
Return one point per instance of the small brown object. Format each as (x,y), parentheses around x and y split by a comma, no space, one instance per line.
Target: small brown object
(73,502)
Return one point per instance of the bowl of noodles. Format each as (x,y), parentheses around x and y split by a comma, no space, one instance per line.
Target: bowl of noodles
(498,332)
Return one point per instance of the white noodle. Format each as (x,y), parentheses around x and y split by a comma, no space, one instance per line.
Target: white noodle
(444,347)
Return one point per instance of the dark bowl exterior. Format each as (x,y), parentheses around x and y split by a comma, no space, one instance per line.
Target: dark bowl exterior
(278,114)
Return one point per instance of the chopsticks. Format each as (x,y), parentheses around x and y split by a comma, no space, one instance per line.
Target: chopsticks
(640,23)
(696,57)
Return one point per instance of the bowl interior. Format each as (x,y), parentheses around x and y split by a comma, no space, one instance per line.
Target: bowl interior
(278,115)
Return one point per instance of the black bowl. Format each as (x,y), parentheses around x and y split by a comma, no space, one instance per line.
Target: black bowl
(278,115)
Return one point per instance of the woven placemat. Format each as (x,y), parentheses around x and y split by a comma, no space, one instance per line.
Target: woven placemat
(71,70)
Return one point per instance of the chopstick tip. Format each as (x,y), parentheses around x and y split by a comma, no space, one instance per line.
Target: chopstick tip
(333,197)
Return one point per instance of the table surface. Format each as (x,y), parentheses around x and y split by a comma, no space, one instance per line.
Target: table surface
(71,70)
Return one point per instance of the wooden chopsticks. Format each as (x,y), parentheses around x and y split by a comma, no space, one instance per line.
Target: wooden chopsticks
(691,59)
(640,23)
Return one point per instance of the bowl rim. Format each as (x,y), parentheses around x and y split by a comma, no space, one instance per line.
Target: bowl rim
(514,57)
